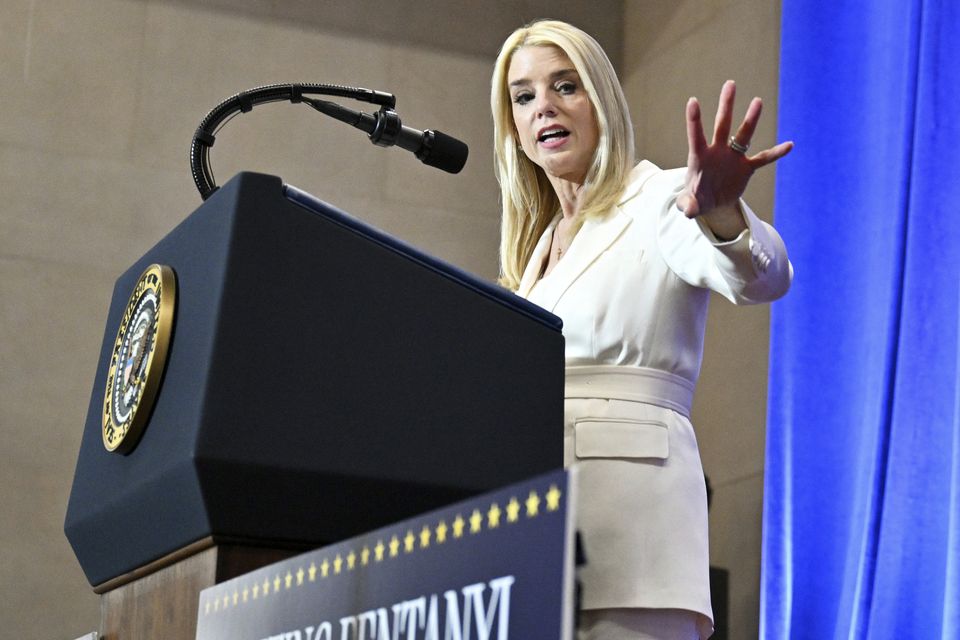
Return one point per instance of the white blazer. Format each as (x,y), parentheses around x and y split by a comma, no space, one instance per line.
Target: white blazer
(632,290)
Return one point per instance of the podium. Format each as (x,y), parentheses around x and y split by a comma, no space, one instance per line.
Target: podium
(322,379)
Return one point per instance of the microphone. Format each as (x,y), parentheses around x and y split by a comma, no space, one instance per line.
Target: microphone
(433,148)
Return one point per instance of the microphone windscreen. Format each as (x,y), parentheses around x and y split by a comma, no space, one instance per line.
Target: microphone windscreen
(446,153)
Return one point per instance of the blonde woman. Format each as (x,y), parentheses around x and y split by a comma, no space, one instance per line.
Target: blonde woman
(626,255)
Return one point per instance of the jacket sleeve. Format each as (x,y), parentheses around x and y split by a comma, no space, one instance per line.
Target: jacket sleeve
(751,268)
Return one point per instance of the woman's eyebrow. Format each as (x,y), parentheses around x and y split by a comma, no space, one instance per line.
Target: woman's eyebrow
(556,75)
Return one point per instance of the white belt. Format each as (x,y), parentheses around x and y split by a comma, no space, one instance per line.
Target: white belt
(639,384)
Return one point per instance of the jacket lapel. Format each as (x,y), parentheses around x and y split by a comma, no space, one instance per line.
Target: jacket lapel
(534,265)
(594,237)
(638,177)
(592,240)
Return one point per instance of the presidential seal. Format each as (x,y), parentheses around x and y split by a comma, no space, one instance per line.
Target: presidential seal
(139,355)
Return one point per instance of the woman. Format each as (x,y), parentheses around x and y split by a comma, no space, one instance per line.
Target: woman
(626,256)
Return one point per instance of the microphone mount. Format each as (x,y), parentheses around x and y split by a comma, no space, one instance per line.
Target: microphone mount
(433,148)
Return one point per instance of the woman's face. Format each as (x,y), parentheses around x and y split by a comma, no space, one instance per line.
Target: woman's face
(552,112)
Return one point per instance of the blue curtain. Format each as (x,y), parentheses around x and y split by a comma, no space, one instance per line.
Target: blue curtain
(862,495)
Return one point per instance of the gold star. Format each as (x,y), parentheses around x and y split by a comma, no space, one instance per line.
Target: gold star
(458,527)
(441,532)
(216,604)
(226,601)
(394,546)
(378,550)
(325,568)
(256,591)
(533,504)
(236,597)
(337,563)
(312,572)
(408,541)
(475,521)
(206,609)
(365,556)
(493,516)
(513,510)
(276,583)
(287,580)
(553,498)
(351,560)
(246,592)
(425,537)
(300,573)
(266,586)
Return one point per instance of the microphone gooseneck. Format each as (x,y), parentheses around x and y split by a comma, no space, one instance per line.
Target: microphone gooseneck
(384,128)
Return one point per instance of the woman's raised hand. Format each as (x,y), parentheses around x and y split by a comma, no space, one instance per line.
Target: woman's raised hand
(718,173)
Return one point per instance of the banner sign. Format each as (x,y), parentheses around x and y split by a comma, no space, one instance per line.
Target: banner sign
(495,567)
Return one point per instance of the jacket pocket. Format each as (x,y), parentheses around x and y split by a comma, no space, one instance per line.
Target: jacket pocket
(618,438)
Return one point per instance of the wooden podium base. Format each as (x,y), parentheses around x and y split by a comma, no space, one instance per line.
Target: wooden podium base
(162,599)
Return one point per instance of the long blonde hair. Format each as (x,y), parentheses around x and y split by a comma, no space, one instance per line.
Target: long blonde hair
(528,200)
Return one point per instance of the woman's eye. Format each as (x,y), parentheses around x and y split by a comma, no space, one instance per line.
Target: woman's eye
(523,98)
(567,88)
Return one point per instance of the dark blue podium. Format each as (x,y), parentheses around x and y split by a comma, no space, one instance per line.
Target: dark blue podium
(323,379)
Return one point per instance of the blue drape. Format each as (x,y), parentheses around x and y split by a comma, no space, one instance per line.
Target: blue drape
(862,489)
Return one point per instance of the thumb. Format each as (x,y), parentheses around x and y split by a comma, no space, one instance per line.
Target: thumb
(688,205)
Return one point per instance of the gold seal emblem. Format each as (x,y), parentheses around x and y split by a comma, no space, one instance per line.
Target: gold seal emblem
(139,355)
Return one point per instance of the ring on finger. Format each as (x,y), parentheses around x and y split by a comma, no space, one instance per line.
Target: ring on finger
(736,146)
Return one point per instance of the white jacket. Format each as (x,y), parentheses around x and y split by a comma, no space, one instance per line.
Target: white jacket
(632,290)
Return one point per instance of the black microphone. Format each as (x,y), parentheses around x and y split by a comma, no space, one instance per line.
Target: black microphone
(384,128)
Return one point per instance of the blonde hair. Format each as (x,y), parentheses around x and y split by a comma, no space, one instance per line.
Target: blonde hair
(528,200)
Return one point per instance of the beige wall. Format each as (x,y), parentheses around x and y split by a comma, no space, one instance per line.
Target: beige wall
(100,100)
(674,49)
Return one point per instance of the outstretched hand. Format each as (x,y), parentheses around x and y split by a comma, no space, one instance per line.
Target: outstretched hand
(718,173)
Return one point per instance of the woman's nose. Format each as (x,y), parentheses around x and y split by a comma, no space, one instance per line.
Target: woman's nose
(545,105)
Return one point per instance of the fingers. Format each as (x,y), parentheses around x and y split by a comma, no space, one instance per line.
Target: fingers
(745,133)
(697,147)
(771,155)
(721,126)
(696,141)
